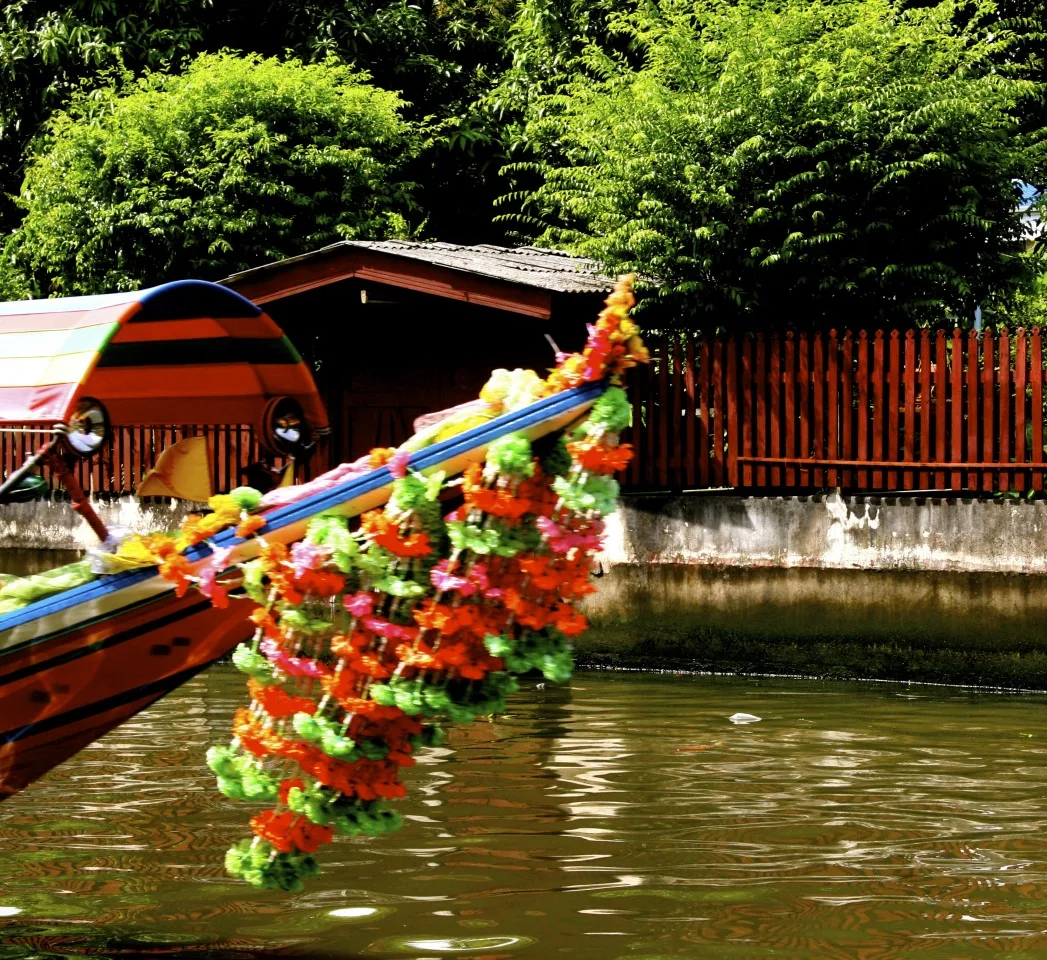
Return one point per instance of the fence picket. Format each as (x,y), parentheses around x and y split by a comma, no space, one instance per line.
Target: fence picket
(1003,435)
(832,405)
(789,416)
(1020,451)
(760,377)
(941,390)
(926,405)
(1036,409)
(692,433)
(972,407)
(717,415)
(909,390)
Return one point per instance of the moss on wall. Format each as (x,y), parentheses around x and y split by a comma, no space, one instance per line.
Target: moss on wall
(985,629)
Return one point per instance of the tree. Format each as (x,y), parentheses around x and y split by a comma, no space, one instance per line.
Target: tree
(49,49)
(441,55)
(804,163)
(237,162)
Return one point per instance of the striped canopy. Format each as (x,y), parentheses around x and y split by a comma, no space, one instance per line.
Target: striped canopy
(185,352)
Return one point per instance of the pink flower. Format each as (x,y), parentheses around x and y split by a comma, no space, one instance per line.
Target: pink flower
(563,541)
(292,666)
(212,589)
(478,575)
(444,581)
(390,631)
(307,556)
(220,557)
(398,463)
(359,604)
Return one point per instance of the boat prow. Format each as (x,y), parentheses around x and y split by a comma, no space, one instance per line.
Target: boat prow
(76,665)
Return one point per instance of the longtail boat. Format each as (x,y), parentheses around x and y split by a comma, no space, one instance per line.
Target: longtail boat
(77,663)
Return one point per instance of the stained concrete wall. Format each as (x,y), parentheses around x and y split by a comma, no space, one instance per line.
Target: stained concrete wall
(54,525)
(894,588)
(832,532)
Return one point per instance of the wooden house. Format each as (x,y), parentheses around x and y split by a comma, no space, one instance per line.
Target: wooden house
(396,329)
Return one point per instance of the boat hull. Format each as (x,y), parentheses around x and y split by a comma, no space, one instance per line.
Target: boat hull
(76,665)
(66,690)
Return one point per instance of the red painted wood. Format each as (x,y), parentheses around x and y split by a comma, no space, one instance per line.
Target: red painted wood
(676,432)
(988,452)
(748,408)
(774,427)
(973,447)
(803,383)
(847,426)
(704,420)
(909,425)
(692,403)
(817,380)
(941,389)
(718,436)
(879,414)
(832,403)
(1004,401)
(761,385)
(894,385)
(732,411)
(1020,448)
(651,424)
(926,406)
(1036,410)
(635,433)
(956,405)
(790,447)
(662,416)
(862,380)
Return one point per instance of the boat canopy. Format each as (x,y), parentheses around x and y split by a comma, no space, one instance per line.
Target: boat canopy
(188,352)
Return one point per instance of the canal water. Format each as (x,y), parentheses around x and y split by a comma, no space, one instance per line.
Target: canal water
(624,817)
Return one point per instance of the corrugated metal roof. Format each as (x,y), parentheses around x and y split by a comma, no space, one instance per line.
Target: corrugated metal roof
(552,270)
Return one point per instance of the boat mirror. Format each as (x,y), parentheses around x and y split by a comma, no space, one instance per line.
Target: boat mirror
(88,428)
(284,430)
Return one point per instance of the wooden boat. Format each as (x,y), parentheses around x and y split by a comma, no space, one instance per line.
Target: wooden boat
(77,664)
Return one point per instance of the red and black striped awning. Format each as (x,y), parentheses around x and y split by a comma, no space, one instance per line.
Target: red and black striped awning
(185,352)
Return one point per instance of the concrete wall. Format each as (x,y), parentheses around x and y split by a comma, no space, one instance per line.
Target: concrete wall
(894,588)
(54,525)
(832,532)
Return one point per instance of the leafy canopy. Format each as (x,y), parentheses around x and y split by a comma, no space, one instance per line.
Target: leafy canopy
(237,162)
(441,55)
(809,162)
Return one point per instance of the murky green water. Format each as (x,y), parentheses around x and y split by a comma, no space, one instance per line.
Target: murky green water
(624,817)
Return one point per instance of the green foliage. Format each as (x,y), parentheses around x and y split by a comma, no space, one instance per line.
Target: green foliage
(48,49)
(799,163)
(441,56)
(237,162)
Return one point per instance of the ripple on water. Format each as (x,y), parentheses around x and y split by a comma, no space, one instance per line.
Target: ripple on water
(620,817)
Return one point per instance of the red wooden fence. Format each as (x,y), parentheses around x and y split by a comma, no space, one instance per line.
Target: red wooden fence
(133,450)
(923,410)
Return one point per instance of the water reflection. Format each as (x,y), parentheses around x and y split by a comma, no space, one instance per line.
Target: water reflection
(623,817)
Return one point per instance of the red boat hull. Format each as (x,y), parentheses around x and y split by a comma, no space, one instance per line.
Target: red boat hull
(68,690)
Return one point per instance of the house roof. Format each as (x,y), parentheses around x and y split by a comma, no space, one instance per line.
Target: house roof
(553,270)
(520,279)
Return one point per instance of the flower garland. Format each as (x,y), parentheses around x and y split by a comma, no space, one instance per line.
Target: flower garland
(368,640)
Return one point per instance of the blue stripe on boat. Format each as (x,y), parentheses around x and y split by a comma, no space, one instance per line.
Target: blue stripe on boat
(529,416)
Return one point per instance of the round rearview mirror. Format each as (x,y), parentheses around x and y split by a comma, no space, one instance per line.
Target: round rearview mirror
(283,429)
(88,428)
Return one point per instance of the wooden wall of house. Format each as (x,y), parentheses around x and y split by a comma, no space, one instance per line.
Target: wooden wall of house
(384,362)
